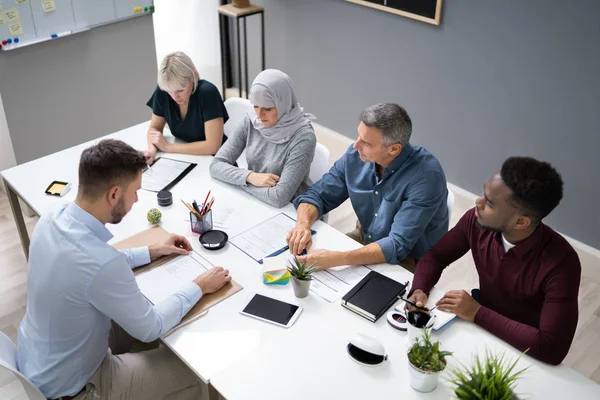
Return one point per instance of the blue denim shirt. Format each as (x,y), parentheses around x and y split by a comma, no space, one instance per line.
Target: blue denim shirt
(405,212)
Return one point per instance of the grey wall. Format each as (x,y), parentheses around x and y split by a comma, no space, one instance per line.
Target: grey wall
(70,90)
(496,78)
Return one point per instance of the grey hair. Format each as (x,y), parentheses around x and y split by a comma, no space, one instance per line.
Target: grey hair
(176,71)
(391,119)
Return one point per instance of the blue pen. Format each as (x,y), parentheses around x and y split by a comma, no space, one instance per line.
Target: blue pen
(195,205)
(278,252)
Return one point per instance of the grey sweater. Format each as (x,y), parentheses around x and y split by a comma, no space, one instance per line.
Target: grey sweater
(290,161)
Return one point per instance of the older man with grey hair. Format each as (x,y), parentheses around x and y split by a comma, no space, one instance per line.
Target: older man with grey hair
(398,192)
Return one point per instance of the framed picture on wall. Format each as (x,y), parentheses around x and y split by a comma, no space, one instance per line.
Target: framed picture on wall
(429,11)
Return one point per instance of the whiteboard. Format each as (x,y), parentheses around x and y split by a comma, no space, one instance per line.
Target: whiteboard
(89,13)
(56,20)
(26,22)
(22,17)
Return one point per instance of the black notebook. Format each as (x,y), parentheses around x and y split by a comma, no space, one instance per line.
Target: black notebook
(373,295)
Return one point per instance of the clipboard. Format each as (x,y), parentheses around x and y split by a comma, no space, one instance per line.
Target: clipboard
(178,178)
(158,234)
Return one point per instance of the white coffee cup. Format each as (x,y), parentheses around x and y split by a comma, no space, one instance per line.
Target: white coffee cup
(414,333)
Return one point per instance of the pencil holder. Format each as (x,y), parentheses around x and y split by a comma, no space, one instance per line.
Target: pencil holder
(201,224)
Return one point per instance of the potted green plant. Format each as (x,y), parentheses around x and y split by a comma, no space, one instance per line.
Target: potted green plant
(301,276)
(489,379)
(425,362)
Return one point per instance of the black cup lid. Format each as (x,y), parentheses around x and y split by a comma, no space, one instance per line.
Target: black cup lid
(418,319)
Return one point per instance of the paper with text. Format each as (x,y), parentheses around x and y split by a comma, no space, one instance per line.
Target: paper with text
(333,283)
(265,238)
(161,173)
(161,282)
(48,5)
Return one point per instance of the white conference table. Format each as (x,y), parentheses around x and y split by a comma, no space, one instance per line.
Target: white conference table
(243,358)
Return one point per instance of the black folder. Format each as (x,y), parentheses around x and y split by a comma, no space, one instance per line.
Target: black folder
(373,295)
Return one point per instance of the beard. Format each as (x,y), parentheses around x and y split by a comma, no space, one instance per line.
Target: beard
(489,228)
(118,212)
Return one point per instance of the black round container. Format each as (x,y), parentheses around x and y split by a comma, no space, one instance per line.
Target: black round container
(165,198)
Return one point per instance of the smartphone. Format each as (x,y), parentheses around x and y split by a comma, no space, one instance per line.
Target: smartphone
(270,310)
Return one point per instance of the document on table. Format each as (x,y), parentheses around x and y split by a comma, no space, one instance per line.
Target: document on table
(441,317)
(163,172)
(265,238)
(333,283)
(162,281)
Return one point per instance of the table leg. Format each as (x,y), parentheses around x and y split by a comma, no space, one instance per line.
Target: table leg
(13,199)
(237,20)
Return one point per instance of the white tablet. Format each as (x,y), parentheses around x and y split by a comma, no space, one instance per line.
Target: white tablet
(270,310)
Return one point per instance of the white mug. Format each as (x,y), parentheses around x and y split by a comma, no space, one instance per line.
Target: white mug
(414,333)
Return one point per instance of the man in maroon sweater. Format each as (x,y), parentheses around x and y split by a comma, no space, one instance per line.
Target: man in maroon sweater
(528,274)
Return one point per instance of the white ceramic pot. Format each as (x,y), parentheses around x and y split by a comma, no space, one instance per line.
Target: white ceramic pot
(422,381)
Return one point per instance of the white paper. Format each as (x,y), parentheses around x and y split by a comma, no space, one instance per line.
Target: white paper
(167,279)
(441,317)
(161,173)
(221,216)
(265,238)
(333,283)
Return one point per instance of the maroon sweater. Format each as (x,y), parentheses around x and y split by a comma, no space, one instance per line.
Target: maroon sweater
(528,294)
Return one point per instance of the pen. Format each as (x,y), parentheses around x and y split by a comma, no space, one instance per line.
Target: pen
(209,205)
(195,205)
(414,305)
(190,207)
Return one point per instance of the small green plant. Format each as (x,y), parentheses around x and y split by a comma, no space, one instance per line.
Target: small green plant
(300,271)
(488,379)
(426,355)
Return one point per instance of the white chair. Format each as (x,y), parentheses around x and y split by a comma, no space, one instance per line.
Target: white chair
(8,362)
(237,108)
(450,202)
(319,165)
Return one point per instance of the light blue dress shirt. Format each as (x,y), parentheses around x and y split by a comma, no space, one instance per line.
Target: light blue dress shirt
(77,284)
(405,212)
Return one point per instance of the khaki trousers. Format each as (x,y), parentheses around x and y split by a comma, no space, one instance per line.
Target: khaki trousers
(135,370)
(409,264)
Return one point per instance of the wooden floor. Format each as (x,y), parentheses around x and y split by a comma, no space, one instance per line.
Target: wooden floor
(583,357)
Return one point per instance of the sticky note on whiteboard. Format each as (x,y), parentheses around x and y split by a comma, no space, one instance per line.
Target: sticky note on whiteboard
(15,29)
(2,18)
(48,5)
(21,1)
(12,14)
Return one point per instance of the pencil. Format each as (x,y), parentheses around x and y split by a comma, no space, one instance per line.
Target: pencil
(205,200)
(190,207)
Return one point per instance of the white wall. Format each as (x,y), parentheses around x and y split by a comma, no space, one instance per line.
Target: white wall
(7,154)
(191,26)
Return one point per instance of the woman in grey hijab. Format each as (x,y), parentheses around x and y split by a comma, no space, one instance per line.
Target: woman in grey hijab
(279,141)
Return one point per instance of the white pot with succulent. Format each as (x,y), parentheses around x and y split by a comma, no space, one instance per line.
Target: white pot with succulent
(425,362)
(301,277)
(489,379)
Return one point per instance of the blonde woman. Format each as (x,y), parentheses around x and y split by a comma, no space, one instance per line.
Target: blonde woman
(192,107)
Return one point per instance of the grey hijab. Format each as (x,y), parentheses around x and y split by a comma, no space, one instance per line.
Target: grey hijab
(273,88)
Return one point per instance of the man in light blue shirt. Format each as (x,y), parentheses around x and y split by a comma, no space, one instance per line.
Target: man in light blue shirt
(398,192)
(77,284)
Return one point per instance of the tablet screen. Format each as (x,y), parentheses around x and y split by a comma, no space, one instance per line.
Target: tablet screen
(271,309)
